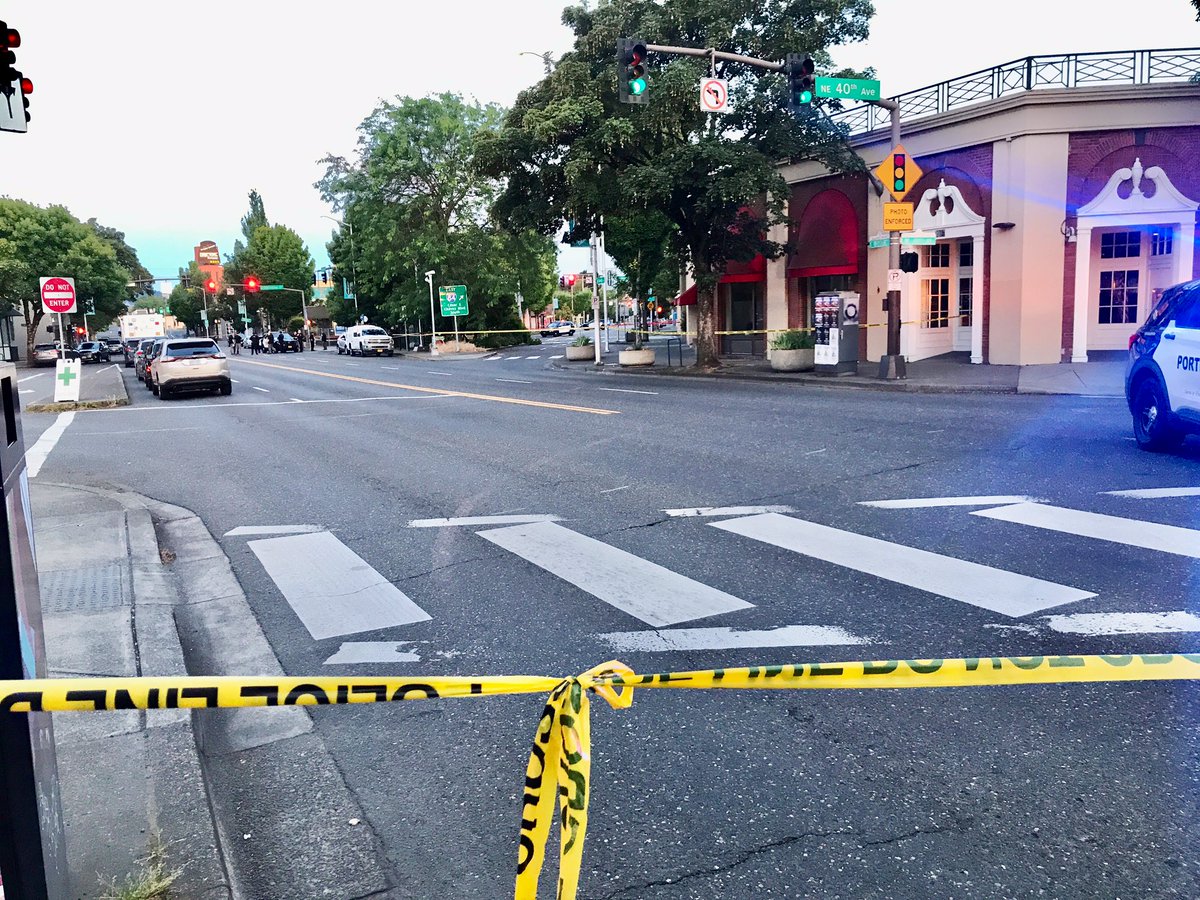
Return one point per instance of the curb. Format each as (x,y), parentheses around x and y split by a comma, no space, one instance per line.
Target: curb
(272,787)
(905,387)
(121,398)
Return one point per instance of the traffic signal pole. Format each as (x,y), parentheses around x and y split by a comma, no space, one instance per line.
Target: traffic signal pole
(892,365)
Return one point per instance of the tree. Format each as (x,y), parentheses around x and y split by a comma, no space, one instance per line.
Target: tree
(418,202)
(275,255)
(126,256)
(570,149)
(254,219)
(39,242)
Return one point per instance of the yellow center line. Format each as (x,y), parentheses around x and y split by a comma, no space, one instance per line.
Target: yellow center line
(565,407)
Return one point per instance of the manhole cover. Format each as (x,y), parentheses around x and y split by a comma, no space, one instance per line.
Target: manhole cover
(90,588)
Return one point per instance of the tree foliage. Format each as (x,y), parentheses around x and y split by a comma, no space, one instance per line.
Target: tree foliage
(37,242)
(275,254)
(126,256)
(417,202)
(570,149)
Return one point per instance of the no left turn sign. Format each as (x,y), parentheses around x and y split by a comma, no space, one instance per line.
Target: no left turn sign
(714,95)
(58,294)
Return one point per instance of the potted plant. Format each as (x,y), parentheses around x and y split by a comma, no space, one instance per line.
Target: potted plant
(580,348)
(792,351)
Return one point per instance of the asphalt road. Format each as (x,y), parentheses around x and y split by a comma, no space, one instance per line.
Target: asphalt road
(1064,791)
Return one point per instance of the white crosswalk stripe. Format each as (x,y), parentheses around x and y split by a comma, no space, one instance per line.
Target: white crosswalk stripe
(643,589)
(997,590)
(1117,529)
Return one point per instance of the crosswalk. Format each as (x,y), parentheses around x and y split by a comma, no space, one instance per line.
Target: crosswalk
(337,594)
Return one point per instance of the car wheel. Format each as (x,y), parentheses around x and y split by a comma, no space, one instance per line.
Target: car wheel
(152,385)
(226,388)
(391,353)
(1151,412)
(164,391)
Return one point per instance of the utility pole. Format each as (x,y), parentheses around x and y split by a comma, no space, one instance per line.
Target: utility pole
(432,320)
(892,366)
(595,303)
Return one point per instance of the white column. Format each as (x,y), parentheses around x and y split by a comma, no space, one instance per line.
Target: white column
(1185,246)
(977,299)
(1083,292)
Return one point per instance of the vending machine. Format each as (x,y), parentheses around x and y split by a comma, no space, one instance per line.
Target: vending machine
(835,332)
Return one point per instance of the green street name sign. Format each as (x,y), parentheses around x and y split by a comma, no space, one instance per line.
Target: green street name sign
(271,287)
(453,298)
(911,240)
(848,88)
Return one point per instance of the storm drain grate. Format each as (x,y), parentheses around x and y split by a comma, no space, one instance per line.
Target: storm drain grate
(84,590)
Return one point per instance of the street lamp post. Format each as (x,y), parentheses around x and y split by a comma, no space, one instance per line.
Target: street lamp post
(353,255)
(432,321)
(546,58)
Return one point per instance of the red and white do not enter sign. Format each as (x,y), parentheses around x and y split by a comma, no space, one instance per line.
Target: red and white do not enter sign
(58,294)
(714,95)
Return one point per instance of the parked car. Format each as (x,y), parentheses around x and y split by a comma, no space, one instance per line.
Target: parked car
(44,354)
(558,328)
(139,357)
(1162,378)
(129,349)
(93,351)
(148,358)
(364,339)
(190,364)
(285,344)
(114,345)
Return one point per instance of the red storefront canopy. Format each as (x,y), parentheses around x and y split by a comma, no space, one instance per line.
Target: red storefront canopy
(826,241)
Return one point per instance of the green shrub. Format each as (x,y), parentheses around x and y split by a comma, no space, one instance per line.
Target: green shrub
(794,339)
(582,341)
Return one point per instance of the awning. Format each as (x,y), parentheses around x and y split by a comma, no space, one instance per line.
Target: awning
(754,270)
(687,298)
(826,241)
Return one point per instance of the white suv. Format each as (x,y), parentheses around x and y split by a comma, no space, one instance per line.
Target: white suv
(190,364)
(1162,381)
(364,339)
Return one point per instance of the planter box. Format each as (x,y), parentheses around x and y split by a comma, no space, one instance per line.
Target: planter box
(792,360)
(581,353)
(644,357)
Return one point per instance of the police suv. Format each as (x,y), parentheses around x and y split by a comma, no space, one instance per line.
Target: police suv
(1162,381)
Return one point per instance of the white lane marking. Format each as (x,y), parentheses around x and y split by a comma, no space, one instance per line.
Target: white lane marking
(138,431)
(726,510)
(998,590)
(264,390)
(1156,493)
(235,381)
(244,530)
(436,372)
(728,639)
(26,392)
(815,452)
(372,652)
(1125,623)
(297,400)
(611,490)
(393,368)
(1117,529)
(513,381)
(201,405)
(331,588)
(559,356)
(1019,627)
(634,585)
(28,377)
(35,456)
(533,357)
(627,391)
(480,520)
(929,502)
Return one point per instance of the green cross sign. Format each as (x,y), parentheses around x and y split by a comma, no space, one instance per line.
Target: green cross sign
(66,376)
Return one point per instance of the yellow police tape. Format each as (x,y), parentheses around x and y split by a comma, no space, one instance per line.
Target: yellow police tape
(560,758)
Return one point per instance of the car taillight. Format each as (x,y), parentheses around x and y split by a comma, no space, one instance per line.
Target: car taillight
(1132,340)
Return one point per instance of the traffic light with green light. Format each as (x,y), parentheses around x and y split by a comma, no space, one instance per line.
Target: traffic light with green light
(802,82)
(632,84)
(899,179)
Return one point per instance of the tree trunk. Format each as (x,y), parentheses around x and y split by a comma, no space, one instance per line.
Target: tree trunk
(706,326)
(33,319)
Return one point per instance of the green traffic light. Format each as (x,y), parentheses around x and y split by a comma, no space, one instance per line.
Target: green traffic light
(637,86)
(806,96)
(898,184)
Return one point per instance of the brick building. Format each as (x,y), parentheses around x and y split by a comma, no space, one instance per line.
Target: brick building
(1060,194)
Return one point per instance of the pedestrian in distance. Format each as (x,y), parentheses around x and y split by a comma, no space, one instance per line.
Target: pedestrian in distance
(312,341)
(324,340)
(254,344)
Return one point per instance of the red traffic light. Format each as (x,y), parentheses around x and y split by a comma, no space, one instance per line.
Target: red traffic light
(211,286)
(26,86)
(570,279)
(251,284)
(12,38)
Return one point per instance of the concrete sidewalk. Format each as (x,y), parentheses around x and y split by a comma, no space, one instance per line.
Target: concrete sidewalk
(236,798)
(128,779)
(951,373)
(100,385)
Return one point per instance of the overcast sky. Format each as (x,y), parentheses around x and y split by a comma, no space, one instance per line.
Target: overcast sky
(158,116)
